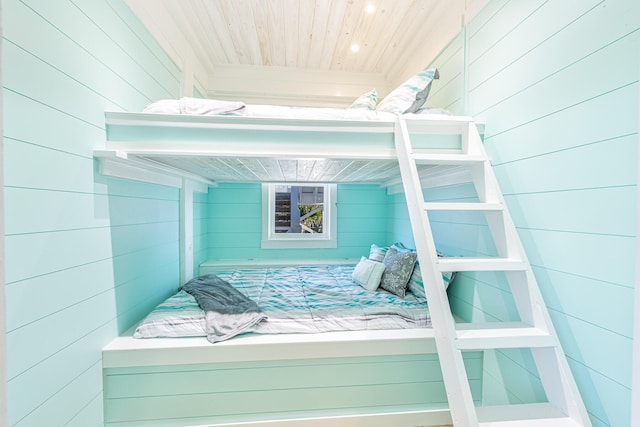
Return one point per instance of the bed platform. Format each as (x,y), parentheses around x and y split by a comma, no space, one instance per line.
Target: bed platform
(394,378)
(339,378)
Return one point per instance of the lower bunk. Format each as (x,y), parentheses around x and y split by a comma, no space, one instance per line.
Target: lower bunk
(366,377)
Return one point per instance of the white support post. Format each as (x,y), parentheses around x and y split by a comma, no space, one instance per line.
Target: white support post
(635,373)
(186,231)
(3,325)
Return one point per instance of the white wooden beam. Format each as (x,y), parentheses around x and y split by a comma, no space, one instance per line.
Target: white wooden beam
(186,231)
(3,320)
(635,374)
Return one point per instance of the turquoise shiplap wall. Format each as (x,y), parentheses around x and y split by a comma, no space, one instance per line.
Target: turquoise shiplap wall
(235,221)
(86,256)
(557,85)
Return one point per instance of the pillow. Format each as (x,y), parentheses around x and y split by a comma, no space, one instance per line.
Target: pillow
(416,285)
(398,268)
(409,96)
(366,101)
(368,273)
(377,253)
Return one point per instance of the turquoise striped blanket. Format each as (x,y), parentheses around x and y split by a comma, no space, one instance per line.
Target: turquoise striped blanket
(304,299)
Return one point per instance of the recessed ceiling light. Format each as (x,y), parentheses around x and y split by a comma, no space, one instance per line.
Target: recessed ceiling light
(355,47)
(370,8)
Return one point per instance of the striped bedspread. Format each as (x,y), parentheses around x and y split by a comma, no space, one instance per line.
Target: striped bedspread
(304,299)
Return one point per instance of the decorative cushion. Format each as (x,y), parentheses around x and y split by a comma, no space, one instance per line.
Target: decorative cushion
(398,269)
(416,285)
(376,253)
(411,95)
(366,101)
(368,273)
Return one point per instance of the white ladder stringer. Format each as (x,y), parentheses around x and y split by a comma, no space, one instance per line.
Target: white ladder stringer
(534,331)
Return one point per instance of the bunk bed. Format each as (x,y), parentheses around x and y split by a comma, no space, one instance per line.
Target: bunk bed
(376,377)
(408,390)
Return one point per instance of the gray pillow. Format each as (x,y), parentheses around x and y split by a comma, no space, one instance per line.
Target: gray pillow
(398,269)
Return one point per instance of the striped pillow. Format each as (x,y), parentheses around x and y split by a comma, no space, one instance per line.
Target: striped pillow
(409,96)
(366,101)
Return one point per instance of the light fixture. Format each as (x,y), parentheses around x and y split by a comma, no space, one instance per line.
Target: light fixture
(370,8)
(355,47)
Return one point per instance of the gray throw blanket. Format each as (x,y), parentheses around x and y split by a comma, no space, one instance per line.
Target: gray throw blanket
(227,311)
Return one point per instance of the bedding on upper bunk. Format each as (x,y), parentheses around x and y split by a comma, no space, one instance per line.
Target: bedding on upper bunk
(407,98)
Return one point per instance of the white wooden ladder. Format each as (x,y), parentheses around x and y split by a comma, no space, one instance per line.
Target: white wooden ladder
(534,331)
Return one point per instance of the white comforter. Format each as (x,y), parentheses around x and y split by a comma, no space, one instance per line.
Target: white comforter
(213,107)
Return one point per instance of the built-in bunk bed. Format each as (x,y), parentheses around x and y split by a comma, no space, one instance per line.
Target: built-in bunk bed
(385,371)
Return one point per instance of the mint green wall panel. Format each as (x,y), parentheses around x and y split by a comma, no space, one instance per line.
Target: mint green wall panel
(550,42)
(180,395)
(549,134)
(561,130)
(49,414)
(570,294)
(510,377)
(87,256)
(616,204)
(61,133)
(447,91)
(235,223)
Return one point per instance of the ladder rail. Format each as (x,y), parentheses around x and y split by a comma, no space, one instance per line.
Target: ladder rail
(536,330)
(529,301)
(453,371)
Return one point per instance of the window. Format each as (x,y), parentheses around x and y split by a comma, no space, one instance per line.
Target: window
(298,215)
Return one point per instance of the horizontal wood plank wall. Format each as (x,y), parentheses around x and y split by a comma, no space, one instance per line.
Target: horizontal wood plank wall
(448,91)
(181,395)
(235,221)
(86,256)
(557,85)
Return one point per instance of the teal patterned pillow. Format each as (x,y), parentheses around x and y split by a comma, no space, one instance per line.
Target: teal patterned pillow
(398,269)
(366,101)
(411,95)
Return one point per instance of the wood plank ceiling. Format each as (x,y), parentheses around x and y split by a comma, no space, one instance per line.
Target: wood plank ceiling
(299,52)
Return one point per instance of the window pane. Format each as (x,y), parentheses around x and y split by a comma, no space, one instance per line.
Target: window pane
(299,209)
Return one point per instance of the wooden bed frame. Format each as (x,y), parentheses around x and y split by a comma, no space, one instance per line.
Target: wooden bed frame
(395,372)
(372,378)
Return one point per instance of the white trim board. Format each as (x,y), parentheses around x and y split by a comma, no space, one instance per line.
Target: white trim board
(3,325)
(126,351)
(635,372)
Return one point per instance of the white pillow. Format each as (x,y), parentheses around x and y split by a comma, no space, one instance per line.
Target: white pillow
(368,273)
(366,101)
(410,95)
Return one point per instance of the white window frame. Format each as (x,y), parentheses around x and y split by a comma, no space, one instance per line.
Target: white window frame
(273,240)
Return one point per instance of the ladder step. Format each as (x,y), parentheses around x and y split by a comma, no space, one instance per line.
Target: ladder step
(481,264)
(524,415)
(459,206)
(446,159)
(478,336)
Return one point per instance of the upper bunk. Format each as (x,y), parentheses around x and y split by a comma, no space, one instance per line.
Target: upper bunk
(292,144)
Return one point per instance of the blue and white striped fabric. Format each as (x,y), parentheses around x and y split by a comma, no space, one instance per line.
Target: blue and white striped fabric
(306,299)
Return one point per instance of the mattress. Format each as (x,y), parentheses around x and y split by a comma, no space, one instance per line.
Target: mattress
(301,299)
(212,107)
